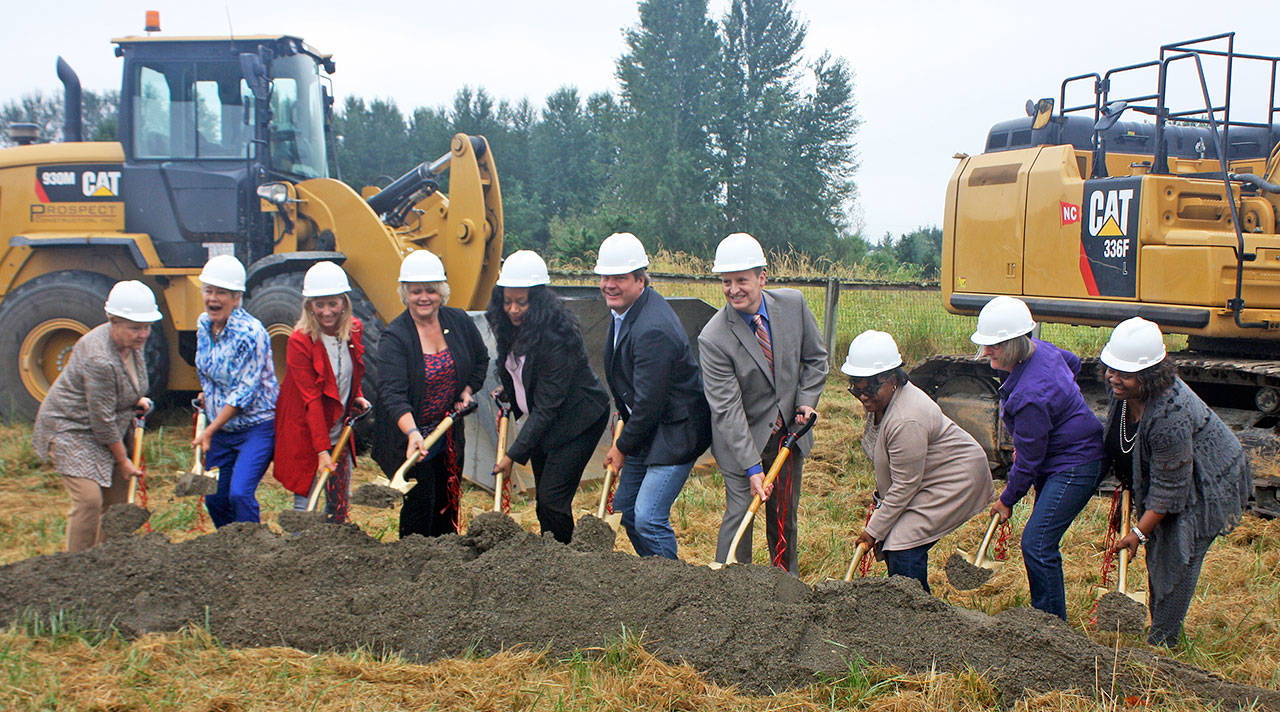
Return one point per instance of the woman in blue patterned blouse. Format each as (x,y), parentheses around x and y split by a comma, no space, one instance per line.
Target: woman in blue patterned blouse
(238,378)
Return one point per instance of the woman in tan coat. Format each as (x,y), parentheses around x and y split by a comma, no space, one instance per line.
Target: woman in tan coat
(931,476)
(81,424)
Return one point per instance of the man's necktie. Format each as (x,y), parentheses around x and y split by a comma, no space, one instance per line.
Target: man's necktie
(766,345)
(762,335)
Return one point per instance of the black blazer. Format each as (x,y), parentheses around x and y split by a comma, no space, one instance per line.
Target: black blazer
(402,384)
(656,385)
(565,398)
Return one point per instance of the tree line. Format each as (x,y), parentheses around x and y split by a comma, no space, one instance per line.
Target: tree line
(718,125)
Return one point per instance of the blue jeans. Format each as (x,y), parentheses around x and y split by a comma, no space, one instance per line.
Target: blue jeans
(644,497)
(241,458)
(912,563)
(1057,503)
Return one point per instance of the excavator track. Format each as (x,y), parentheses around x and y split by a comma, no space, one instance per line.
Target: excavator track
(966,389)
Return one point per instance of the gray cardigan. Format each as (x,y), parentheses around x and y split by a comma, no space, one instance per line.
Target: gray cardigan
(1188,465)
(89,407)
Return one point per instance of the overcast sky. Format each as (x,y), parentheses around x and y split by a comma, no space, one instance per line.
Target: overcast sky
(931,77)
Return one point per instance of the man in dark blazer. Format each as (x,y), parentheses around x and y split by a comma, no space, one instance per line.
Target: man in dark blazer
(656,385)
(763,367)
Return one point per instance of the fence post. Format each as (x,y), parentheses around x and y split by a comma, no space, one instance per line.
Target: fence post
(829,310)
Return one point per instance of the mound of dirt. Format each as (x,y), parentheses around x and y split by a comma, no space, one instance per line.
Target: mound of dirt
(964,575)
(121,520)
(335,588)
(1118,612)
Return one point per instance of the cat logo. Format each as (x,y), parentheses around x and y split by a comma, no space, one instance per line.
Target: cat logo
(1109,212)
(1109,237)
(100,184)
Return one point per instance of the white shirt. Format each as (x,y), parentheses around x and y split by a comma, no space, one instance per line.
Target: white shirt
(340,362)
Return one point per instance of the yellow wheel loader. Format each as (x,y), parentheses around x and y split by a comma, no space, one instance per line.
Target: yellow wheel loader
(1157,196)
(225,148)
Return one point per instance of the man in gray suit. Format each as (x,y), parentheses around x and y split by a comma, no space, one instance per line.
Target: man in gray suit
(763,364)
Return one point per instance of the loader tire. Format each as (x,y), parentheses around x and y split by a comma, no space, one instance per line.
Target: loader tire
(41,321)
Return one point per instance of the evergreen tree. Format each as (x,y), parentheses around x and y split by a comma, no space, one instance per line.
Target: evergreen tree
(666,169)
(375,141)
(758,100)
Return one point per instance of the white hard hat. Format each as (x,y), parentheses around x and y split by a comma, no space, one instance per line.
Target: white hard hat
(621,253)
(223,271)
(1003,318)
(134,301)
(325,279)
(737,252)
(870,353)
(523,268)
(421,266)
(1135,344)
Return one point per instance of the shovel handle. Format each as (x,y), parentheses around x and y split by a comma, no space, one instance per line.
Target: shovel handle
(504,417)
(858,553)
(197,455)
(139,425)
(608,474)
(1122,584)
(981,556)
(789,441)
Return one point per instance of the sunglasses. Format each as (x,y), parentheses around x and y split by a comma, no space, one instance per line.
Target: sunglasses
(865,386)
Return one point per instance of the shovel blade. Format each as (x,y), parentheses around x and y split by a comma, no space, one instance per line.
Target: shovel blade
(986,563)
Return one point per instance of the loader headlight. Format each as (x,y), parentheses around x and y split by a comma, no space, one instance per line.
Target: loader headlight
(275,193)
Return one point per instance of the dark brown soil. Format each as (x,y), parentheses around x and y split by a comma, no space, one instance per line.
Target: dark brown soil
(294,521)
(371,495)
(1118,612)
(964,575)
(121,520)
(335,588)
(192,485)
(593,534)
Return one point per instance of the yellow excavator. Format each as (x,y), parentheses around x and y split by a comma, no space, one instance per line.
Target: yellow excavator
(1155,196)
(225,148)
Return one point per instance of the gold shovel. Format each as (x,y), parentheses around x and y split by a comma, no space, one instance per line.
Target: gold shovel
(604,513)
(196,481)
(784,451)
(1122,583)
(322,478)
(966,571)
(398,481)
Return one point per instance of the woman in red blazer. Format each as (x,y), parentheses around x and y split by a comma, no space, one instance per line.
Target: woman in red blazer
(325,363)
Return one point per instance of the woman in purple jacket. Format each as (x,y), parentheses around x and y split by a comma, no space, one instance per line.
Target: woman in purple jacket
(1057,440)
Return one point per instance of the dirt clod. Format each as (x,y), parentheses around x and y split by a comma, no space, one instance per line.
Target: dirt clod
(593,534)
(371,495)
(964,575)
(433,598)
(1118,612)
(121,520)
(192,485)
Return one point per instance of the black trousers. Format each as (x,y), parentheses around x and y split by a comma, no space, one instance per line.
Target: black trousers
(556,475)
(422,512)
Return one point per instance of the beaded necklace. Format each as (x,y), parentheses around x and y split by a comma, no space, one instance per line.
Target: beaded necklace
(1126,441)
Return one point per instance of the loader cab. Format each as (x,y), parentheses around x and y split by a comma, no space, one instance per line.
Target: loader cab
(201,129)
